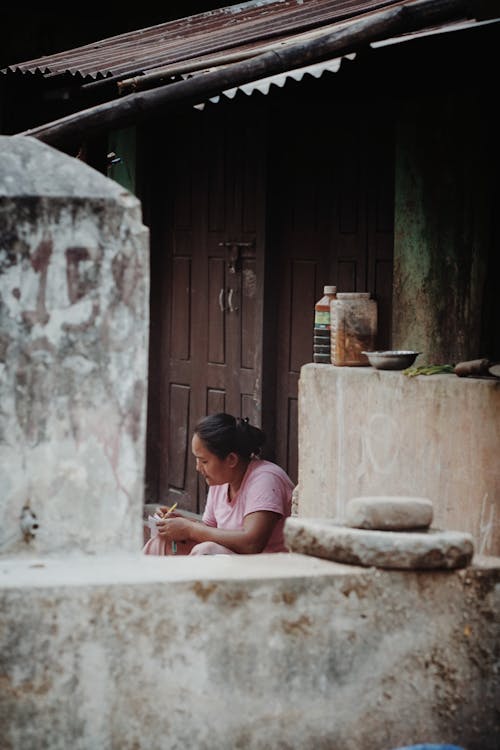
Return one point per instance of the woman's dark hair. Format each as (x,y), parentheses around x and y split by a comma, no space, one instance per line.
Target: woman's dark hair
(224,434)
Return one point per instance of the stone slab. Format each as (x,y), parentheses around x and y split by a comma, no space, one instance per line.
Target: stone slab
(389,513)
(326,538)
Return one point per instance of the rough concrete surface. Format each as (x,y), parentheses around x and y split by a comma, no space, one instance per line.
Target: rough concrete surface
(250,652)
(102,648)
(74,312)
(370,432)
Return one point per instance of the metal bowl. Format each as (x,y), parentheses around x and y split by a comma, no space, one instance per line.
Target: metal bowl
(392,360)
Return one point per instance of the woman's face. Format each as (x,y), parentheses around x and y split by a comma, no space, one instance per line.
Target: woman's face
(213,469)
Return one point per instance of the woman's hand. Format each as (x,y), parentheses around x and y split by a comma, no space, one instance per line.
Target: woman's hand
(165,510)
(251,539)
(174,528)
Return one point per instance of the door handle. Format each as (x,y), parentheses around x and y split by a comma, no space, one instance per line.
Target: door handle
(232,308)
(222,306)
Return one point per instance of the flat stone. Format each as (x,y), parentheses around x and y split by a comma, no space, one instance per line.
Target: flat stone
(388,513)
(409,550)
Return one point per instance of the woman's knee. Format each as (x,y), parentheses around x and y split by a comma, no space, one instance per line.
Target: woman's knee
(210,548)
(156,546)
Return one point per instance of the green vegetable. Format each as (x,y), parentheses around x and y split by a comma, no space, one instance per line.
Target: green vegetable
(411,372)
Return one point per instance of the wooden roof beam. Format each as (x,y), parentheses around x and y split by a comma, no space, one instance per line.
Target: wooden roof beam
(137,107)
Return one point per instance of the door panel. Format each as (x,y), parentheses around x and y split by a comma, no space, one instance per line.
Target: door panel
(181,306)
(212,302)
(331,222)
(303,288)
(178,438)
(216,307)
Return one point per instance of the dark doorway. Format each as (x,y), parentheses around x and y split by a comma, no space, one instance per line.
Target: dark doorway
(208,254)
(257,204)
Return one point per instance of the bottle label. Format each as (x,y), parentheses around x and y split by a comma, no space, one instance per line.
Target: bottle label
(322,319)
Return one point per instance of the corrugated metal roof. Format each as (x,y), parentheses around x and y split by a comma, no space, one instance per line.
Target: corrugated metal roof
(247,47)
(247,28)
(316,70)
(263,85)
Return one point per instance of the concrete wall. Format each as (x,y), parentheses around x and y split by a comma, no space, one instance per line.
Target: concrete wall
(249,652)
(74,307)
(104,648)
(371,432)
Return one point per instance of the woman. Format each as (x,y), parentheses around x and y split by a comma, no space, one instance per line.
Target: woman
(248,498)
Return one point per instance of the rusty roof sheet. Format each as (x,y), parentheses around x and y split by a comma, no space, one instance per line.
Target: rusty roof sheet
(243,48)
(316,70)
(247,28)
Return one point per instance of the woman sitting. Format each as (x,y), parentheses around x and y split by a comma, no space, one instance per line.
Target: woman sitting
(248,498)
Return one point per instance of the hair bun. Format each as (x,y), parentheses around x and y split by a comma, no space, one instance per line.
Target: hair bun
(224,433)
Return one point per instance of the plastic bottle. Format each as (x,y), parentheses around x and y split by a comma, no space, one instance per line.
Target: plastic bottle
(322,335)
(353,319)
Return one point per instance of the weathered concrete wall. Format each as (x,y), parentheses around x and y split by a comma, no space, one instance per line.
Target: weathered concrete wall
(370,432)
(113,650)
(253,652)
(74,296)
(443,228)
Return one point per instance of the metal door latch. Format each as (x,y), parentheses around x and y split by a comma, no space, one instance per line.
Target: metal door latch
(233,253)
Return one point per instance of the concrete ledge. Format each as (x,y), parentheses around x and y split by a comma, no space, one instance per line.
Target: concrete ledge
(116,570)
(365,432)
(246,652)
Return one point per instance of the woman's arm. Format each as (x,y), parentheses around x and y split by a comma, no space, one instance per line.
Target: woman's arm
(250,540)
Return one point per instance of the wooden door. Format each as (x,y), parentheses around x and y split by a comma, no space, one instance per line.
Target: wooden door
(230,332)
(331,222)
(209,257)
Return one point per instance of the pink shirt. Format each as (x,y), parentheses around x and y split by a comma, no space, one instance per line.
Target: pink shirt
(265,486)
